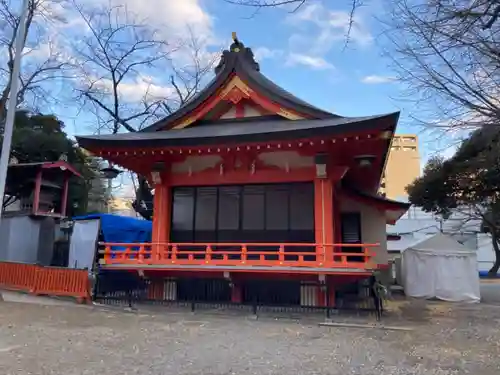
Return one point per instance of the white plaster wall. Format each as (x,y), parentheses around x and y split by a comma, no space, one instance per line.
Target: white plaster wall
(251,112)
(248,111)
(231,113)
(373,227)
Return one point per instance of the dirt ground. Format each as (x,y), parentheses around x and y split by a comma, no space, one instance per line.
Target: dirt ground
(446,339)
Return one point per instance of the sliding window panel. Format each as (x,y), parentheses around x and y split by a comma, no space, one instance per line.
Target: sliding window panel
(228,220)
(183,215)
(302,219)
(205,221)
(302,213)
(277,220)
(253,213)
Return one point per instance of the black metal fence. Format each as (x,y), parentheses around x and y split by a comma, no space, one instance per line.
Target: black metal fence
(255,296)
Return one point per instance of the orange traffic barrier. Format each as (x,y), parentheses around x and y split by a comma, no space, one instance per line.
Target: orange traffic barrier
(40,280)
(62,282)
(18,276)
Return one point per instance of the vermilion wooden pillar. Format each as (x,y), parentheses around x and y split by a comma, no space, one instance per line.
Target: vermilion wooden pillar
(323,215)
(161,217)
(323,224)
(236,293)
(336,218)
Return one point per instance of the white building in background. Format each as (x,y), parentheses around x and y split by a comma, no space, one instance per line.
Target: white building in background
(417,225)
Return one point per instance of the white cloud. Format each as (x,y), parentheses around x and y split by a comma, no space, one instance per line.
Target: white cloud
(376,79)
(177,22)
(321,28)
(172,19)
(172,16)
(135,91)
(41,52)
(314,62)
(262,53)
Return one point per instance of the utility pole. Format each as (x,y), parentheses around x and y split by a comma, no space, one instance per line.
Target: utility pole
(12,103)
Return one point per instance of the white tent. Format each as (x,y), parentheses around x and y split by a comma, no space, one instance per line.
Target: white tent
(440,267)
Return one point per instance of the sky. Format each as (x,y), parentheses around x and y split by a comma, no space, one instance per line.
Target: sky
(304,51)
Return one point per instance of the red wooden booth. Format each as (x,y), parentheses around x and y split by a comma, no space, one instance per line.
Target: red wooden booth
(39,185)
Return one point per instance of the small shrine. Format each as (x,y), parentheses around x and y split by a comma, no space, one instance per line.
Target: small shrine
(36,196)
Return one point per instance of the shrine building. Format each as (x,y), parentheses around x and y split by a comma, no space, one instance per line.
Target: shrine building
(252,183)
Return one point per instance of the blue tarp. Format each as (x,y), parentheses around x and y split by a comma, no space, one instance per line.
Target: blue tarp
(485,274)
(122,229)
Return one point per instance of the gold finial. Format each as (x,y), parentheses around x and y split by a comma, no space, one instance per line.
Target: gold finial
(235,47)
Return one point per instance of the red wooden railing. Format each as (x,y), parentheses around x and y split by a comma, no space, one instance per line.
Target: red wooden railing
(239,254)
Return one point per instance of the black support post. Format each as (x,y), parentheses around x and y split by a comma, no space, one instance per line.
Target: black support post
(327,300)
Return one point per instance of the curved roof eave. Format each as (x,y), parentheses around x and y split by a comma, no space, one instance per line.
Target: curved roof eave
(256,131)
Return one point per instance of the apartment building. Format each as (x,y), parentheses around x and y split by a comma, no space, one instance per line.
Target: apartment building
(403,166)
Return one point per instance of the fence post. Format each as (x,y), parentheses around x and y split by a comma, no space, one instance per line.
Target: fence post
(36,281)
(281,253)
(327,300)
(95,287)
(208,254)
(193,296)
(243,254)
(254,300)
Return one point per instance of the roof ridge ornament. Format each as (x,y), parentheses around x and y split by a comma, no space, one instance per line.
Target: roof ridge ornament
(236,46)
(237,50)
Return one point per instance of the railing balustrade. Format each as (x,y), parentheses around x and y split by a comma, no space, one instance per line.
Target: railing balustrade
(240,254)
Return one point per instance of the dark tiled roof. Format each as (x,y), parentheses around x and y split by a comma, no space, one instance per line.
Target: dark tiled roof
(376,197)
(254,131)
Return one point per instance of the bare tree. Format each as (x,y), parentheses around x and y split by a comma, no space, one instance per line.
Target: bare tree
(190,67)
(41,60)
(117,58)
(296,4)
(447,53)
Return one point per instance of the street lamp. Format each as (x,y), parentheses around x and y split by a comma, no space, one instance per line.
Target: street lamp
(109,173)
(320,161)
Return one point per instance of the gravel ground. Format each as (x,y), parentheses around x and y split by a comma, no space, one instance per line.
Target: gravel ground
(447,339)
(490,292)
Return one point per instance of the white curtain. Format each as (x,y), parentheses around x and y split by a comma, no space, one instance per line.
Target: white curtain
(83,244)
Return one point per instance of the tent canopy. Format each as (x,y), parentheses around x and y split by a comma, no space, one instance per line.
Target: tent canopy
(440,267)
(441,244)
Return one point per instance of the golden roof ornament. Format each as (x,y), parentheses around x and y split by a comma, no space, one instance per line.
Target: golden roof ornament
(237,46)
(244,54)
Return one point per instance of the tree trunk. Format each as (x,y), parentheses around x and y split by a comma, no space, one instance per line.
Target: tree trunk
(496,266)
(143,203)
